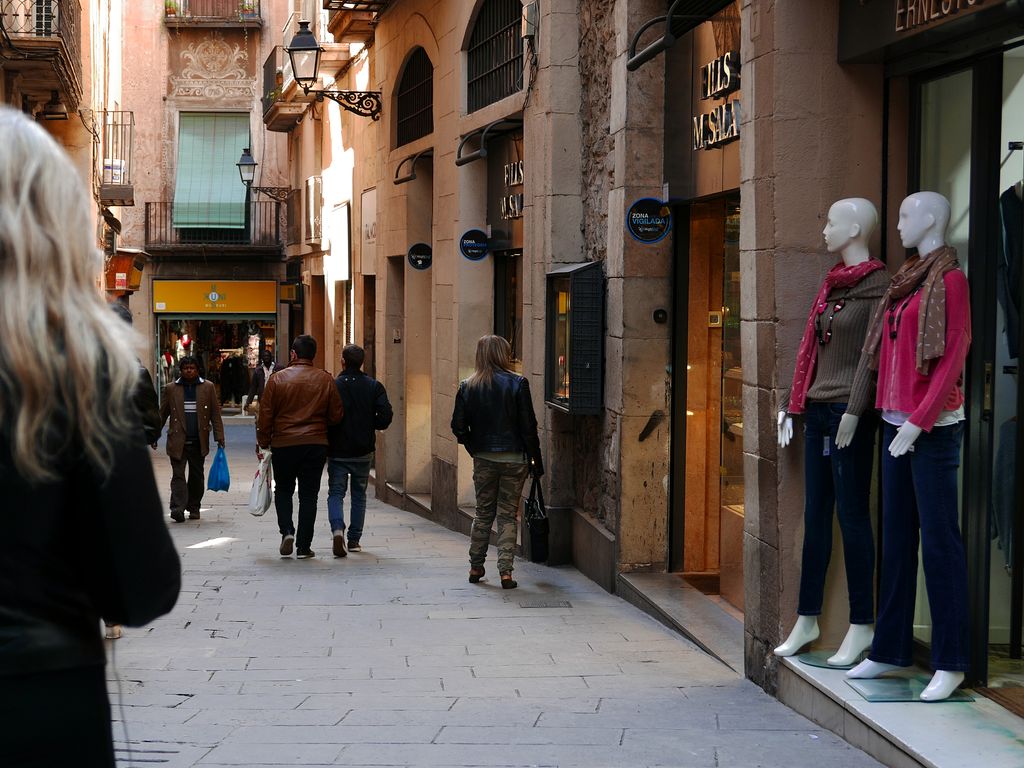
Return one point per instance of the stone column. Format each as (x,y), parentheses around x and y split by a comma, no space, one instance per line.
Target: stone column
(811,134)
(637,350)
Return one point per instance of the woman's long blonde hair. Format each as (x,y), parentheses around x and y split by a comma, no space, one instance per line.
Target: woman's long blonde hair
(493,354)
(67,369)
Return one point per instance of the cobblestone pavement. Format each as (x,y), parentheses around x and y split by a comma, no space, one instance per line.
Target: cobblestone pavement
(389,657)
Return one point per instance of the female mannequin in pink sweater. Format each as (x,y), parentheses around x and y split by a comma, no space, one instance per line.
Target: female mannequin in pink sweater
(919,340)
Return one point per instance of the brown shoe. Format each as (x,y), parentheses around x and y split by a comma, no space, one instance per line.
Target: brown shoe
(475,574)
(339,544)
(193,515)
(507,582)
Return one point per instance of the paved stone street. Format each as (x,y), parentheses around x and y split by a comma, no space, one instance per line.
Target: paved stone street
(390,657)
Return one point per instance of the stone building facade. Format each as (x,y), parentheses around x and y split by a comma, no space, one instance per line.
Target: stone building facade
(744,131)
(213,250)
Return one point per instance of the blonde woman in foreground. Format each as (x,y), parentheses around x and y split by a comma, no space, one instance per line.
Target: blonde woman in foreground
(76,482)
(494,419)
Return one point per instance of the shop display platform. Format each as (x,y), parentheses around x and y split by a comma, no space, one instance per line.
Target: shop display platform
(905,734)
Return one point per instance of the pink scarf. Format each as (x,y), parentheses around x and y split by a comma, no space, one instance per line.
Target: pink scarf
(840,276)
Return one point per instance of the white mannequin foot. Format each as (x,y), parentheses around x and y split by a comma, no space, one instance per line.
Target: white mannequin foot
(858,639)
(869,669)
(942,685)
(804,631)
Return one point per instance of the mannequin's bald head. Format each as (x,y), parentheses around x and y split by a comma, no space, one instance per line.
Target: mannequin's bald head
(924,217)
(850,223)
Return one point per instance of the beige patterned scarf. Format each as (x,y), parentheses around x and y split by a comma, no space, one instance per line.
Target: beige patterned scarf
(924,273)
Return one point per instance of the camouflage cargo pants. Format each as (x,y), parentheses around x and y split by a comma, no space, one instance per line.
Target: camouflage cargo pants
(499,487)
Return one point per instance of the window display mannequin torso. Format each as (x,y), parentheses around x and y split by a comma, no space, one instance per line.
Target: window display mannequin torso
(921,334)
(836,476)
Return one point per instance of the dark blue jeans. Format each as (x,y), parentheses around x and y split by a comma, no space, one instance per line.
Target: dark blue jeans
(338,473)
(839,479)
(919,492)
(305,464)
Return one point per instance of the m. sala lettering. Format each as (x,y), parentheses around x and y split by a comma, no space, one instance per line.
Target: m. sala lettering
(717,127)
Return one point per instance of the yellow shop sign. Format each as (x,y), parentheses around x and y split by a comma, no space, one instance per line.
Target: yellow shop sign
(200,296)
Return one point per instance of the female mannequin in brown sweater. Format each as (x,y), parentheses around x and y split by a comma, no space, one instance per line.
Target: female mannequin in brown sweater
(838,454)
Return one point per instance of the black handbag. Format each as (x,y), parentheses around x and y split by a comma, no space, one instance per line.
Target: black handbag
(537,523)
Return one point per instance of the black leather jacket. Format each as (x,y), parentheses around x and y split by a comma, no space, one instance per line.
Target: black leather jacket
(367,409)
(89,547)
(498,418)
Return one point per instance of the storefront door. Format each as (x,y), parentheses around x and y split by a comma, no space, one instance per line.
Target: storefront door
(707,476)
(969,123)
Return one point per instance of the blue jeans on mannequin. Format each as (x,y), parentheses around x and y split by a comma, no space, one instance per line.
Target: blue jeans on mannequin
(840,479)
(920,493)
(338,473)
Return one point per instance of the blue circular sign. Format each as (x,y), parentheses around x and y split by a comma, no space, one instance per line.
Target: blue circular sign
(473,244)
(420,255)
(649,220)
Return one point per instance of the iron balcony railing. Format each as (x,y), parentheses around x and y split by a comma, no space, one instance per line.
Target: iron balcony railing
(33,21)
(374,6)
(112,148)
(273,76)
(222,10)
(262,228)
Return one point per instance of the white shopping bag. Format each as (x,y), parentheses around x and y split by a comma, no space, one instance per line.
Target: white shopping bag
(261,495)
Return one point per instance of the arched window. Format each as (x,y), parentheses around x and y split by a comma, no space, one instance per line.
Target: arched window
(415,103)
(495,53)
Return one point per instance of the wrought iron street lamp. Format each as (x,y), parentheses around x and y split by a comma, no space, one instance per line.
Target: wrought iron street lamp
(247,171)
(304,53)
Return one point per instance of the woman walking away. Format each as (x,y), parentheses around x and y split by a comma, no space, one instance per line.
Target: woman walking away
(494,419)
(75,477)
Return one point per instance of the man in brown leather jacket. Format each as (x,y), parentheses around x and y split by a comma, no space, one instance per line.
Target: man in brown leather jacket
(190,403)
(297,406)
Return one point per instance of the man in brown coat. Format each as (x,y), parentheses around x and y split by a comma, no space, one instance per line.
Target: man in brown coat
(298,404)
(190,402)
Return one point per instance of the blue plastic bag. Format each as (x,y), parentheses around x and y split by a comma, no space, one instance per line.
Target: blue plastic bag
(220,478)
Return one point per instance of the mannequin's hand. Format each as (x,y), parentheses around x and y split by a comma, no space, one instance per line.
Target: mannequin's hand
(847,426)
(904,440)
(785,428)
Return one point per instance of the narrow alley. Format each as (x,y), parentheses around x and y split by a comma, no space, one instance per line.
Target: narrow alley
(389,657)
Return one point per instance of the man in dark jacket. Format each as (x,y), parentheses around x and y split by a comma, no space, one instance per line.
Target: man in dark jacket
(190,402)
(298,405)
(351,444)
(259,379)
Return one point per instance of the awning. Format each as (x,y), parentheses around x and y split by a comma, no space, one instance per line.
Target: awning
(208,192)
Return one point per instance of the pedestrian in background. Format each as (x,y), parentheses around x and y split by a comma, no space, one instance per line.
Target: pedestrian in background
(298,404)
(495,421)
(259,379)
(190,402)
(147,409)
(76,480)
(351,445)
(146,404)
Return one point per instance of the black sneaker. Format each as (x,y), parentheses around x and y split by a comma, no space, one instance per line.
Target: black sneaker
(178,517)
(353,546)
(287,543)
(193,515)
(304,554)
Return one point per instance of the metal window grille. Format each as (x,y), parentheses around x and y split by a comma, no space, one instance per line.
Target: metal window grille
(36,18)
(495,54)
(415,103)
